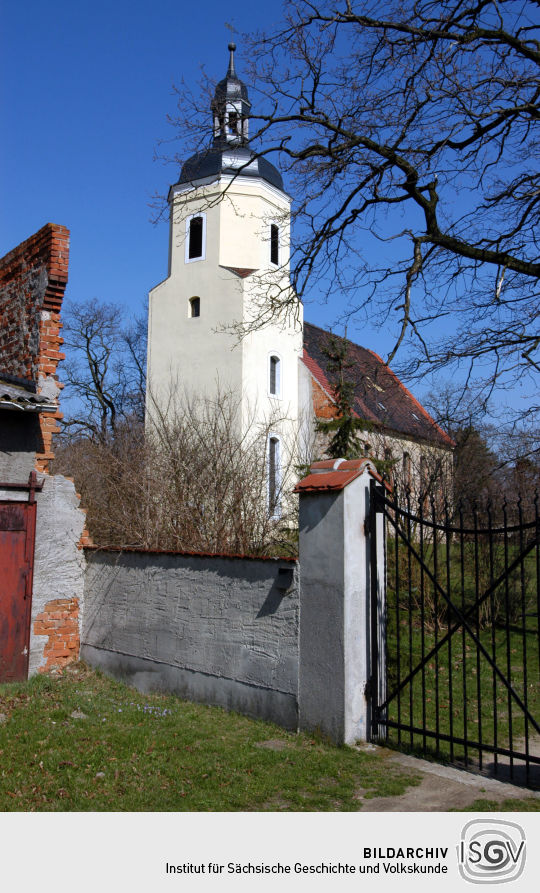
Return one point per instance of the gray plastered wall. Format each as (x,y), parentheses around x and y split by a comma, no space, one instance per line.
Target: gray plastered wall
(58,563)
(213,629)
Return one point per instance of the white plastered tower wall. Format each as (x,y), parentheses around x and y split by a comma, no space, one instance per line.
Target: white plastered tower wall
(214,323)
(202,356)
(189,356)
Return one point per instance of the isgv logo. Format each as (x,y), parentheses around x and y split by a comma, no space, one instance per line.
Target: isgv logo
(491,851)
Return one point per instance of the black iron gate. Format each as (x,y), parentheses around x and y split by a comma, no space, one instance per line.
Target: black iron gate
(455,664)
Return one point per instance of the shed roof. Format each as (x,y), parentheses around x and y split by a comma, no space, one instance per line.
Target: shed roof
(17,397)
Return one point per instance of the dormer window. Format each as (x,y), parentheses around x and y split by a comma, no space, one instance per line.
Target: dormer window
(274,376)
(274,244)
(194,307)
(195,237)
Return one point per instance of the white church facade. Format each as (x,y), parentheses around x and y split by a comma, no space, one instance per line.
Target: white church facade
(229,248)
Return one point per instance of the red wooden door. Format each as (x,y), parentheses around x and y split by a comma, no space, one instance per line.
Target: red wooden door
(17,534)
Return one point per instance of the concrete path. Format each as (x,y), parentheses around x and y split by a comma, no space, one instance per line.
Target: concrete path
(442,788)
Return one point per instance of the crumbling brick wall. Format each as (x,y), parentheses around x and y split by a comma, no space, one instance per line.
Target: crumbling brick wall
(33,279)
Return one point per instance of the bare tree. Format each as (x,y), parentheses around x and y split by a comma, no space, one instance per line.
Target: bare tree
(408,135)
(105,373)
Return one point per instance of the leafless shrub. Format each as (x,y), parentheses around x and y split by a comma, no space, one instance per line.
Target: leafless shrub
(194,483)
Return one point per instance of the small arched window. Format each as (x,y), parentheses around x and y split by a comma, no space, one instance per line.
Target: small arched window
(195,237)
(274,244)
(274,475)
(194,306)
(274,376)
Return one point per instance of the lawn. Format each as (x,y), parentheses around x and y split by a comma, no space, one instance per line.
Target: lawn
(81,741)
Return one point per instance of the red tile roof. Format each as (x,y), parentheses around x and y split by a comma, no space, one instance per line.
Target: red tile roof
(380,397)
(332,480)
(335,474)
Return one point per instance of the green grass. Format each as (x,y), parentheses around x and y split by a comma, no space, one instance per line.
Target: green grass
(528,805)
(480,705)
(156,753)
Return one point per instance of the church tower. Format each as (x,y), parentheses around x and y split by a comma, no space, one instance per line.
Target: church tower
(228,264)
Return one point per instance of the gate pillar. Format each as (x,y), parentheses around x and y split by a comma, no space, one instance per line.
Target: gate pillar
(336,562)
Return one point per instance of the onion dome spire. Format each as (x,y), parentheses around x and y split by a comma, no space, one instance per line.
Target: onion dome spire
(230,108)
(230,153)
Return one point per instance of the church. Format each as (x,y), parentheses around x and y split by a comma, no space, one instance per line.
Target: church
(215,326)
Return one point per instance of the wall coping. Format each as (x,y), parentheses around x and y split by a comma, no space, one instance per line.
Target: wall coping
(231,556)
(335,475)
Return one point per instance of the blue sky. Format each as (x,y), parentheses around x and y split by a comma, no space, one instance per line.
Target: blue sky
(86,91)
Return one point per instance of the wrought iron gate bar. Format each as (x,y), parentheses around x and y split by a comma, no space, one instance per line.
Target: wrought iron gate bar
(459,589)
(468,531)
(462,623)
(503,751)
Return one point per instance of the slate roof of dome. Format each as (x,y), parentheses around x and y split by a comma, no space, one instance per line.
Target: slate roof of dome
(229,160)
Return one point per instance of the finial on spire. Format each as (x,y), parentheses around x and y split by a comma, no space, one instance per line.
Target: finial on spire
(231,72)
(230,108)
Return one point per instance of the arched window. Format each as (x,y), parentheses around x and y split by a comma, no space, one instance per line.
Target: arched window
(274,475)
(194,306)
(274,244)
(195,237)
(274,376)
(406,470)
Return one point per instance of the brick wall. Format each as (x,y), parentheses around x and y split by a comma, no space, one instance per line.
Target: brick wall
(59,622)
(33,278)
(323,407)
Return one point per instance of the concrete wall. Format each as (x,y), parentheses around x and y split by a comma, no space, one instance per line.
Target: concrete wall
(209,628)
(335,648)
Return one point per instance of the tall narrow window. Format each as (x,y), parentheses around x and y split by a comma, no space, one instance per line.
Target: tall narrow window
(424,483)
(274,244)
(233,122)
(273,475)
(194,306)
(195,238)
(406,470)
(275,376)
(388,465)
